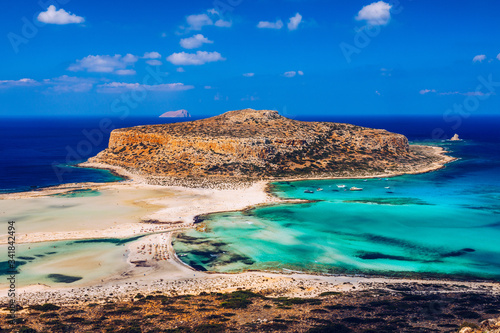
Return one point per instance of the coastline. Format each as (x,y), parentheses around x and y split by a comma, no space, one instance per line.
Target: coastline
(152,275)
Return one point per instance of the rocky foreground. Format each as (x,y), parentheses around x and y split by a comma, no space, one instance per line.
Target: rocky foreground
(249,145)
(383,308)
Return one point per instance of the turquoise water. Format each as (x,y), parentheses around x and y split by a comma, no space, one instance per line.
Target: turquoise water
(67,262)
(441,224)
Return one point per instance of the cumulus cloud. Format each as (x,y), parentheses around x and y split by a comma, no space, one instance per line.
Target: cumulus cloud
(196,22)
(121,87)
(377,13)
(294,22)
(18,83)
(479,57)
(210,18)
(103,63)
(195,41)
(498,56)
(300,72)
(249,74)
(53,16)
(154,62)
(198,58)
(270,25)
(180,70)
(151,55)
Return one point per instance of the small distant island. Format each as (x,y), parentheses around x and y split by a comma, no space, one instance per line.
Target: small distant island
(176,114)
(251,145)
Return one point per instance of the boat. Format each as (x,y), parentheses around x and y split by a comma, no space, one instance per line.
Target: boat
(319,189)
(308,191)
(354,188)
(341,186)
(387,187)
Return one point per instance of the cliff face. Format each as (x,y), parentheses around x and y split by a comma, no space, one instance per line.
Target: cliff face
(254,144)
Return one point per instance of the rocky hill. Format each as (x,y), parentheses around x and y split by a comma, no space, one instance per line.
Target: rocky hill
(250,144)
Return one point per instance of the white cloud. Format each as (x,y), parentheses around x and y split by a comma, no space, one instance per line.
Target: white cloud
(120,87)
(198,58)
(270,25)
(223,24)
(249,74)
(447,93)
(294,22)
(207,87)
(18,83)
(126,72)
(103,63)
(196,22)
(195,41)
(65,84)
(290,74)
(468,93)
(377,13)
(53,16)
(300,72)
(180,70)
(151,55)
(211,18)
(498,56)
(60,84)
(479,58)
(154,62)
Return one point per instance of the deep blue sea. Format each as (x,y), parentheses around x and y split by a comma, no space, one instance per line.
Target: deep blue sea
(40,152)
(443,223)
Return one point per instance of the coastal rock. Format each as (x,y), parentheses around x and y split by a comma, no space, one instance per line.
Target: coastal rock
(176,114)
(455,138)
(256,144)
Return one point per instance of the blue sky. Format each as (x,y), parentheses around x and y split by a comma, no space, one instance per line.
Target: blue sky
(314,57)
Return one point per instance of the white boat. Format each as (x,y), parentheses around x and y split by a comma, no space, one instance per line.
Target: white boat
(319,189)
(341,186)
(387,187)
(354,188)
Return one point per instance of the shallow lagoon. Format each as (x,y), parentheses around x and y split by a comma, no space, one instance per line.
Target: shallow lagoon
(444,223)
(67,262)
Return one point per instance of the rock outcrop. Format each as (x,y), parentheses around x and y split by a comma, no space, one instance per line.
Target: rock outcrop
(249,145)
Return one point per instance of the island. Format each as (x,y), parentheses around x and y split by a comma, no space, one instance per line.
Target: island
(176,114)
(248,145)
